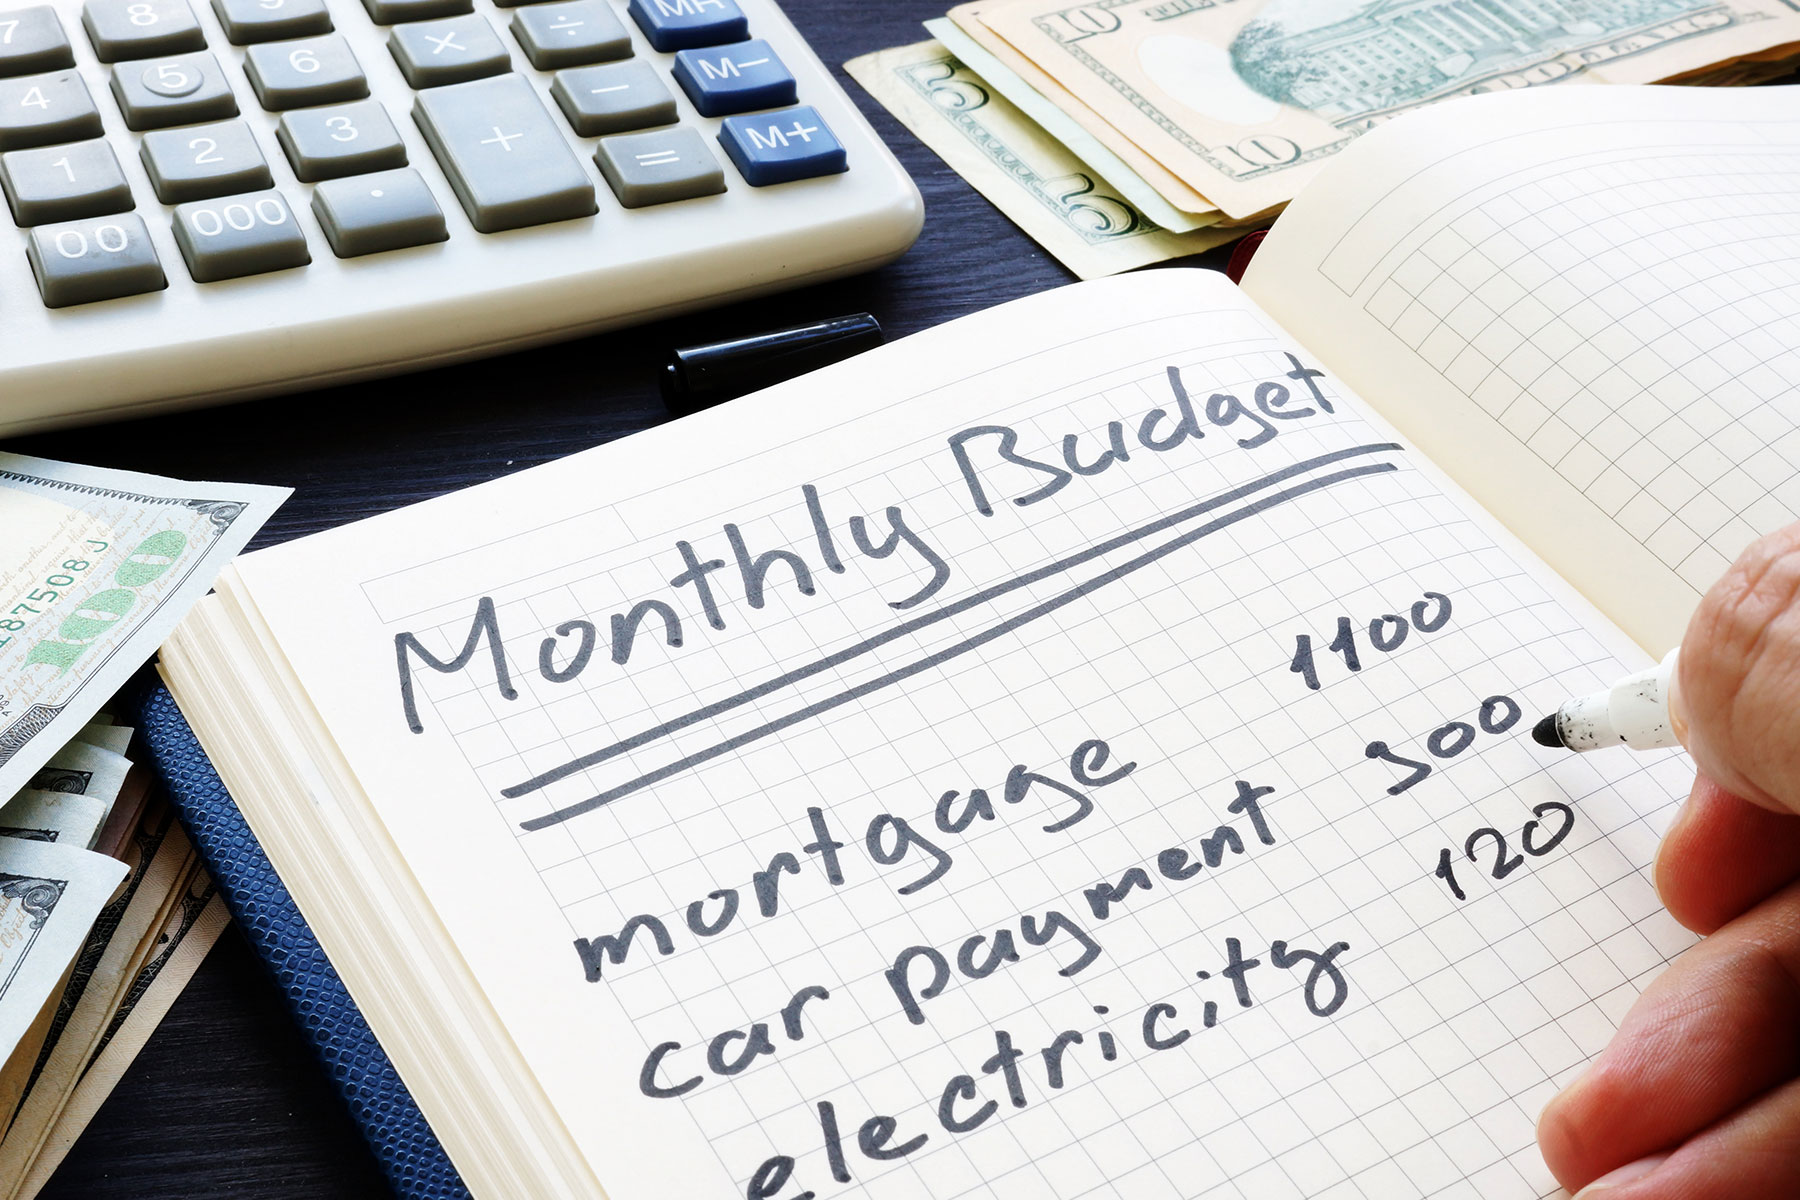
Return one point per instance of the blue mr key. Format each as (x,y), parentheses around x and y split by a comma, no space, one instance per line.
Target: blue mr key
(780,147)
(685,24)
(734,79)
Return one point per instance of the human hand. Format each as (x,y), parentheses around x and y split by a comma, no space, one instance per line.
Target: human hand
(1698,1095)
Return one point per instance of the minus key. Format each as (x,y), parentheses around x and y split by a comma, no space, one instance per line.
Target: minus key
(614,98)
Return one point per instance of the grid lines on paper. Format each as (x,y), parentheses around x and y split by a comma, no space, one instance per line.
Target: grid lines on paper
(1185,673)
(1632,321)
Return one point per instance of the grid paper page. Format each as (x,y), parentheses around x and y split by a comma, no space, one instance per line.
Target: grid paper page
(1613,279)
(1018,857)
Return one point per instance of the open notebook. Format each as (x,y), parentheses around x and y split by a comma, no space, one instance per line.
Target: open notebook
(1077,751)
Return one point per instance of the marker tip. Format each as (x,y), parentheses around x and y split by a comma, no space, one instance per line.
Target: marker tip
(1545,733)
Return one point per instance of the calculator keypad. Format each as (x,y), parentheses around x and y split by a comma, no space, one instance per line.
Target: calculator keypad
(239,235)
(122,30)
(32,40)
(506,156)
(63,183)
(103,258)
(454,50)
(204,161)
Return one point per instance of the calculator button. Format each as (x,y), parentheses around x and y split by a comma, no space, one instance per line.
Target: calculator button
(570,34)
(393,12)
(780,147)
(503,154)
(172,91)
(122,30)
(372,213)
(734,79)
(319,70)
(102,258)
(63,183)
(658,167)
(203,161)
(239,235)
(37,110)
(434,53)
(613,99)
(250,21)
(32,39)
(344,139)
(684,24)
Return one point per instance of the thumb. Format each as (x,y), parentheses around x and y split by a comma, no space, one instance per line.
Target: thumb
(1737,682)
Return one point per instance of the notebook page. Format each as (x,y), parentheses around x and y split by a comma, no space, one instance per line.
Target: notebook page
(1014,858)
(1582,304)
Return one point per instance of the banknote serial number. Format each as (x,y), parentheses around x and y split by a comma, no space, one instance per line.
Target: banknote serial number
(39,599)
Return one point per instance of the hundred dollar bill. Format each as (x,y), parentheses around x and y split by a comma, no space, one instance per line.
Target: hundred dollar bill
(1243,100)
(1044,189)
(189,934)
(161,864)
(96,567)
(49,897)
(82,769)
(1054,114)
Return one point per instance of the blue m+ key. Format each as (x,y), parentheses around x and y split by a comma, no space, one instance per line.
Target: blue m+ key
(684,24)
(780,147)
(734,79)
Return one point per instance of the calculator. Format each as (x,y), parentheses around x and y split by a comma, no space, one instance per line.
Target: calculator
(216,199)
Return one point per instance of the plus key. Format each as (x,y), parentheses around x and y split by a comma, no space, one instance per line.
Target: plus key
(503,154)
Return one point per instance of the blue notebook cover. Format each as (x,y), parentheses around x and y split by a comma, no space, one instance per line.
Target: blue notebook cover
(409,1153)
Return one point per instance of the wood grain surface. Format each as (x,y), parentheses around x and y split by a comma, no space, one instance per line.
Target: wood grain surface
(226,1099)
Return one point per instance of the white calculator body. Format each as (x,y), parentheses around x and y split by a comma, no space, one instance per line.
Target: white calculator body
(214,199)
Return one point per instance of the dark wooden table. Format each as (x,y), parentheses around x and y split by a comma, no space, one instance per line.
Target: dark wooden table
(226,1099)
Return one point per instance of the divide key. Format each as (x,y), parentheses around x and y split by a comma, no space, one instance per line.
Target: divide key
(505,157)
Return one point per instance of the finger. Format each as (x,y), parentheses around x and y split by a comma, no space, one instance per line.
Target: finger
(1718,1028)
(1722,856)
(1739,672)
(1753,1154)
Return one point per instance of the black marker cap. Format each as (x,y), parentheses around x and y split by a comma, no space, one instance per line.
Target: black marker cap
(697,377)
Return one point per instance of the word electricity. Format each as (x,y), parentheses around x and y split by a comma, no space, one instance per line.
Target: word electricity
(987,460)
(1015,1074)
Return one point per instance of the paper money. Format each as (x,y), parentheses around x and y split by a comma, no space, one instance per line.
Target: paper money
(1050,107)
(190,930)
(61,817)
(124,938)
(82,769)
(1042,187)
(1244,101)
(49,897)
(96,567)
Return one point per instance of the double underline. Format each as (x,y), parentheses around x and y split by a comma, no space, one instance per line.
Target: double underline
(1230,507)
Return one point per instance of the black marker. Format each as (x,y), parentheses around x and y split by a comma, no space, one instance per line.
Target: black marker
(697,377)
(1632,712)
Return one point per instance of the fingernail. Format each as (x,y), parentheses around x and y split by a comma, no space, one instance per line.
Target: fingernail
(1629,1173)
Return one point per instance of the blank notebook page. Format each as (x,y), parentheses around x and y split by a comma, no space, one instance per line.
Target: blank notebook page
(842,793)
(1585,303)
